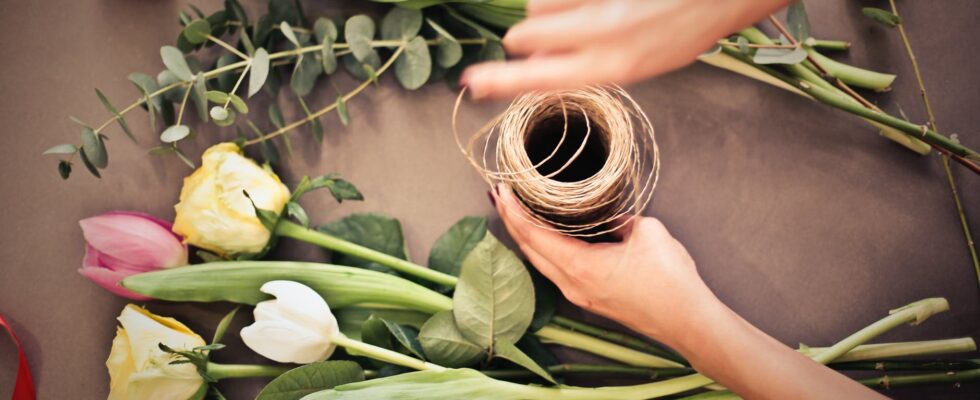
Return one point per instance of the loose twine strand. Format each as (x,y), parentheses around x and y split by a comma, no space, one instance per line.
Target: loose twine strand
(598,204)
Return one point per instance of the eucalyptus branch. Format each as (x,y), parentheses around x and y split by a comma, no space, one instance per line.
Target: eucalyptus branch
(945,158)
(228,47)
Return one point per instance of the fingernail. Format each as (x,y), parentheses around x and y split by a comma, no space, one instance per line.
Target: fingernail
(493,201)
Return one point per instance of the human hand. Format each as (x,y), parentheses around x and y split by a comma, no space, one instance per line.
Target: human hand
(572,43)
(647,281)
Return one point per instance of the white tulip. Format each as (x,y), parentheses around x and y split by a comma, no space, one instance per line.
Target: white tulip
(296,327)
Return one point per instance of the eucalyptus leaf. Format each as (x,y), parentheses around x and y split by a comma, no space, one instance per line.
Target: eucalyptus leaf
(360,69)
(444,345)
(315,124)
(226,81)
(88,165)
(305,73)
(374,231)
(175,62)
(325,29)
(198,96)
(328,58)
(476,27)
(358,32)
(414,66)
(147,85)
(235,10)
(197,31)
(455,244)
(93,148)
(275,115)
(779,56)
(342,110)
(448,49)
(293,209)
(174,133)
(219,113)
(743,45)
(219,23)
(175,95)
(285,10)
(183,157)
(401,24)
(406,336)
(881,16)
(287,31)
(507,350)
(61,149)
(64,169)
(259,72)
(492,51)
(494,298)
(311,378)
(228,120)
(797,21)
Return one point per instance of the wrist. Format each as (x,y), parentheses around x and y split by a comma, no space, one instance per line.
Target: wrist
(693,319)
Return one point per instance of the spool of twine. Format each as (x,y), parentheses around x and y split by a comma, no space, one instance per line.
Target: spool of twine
(582,162)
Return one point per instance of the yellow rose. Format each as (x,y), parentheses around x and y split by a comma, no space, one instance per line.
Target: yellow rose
(214,214)
(138,369)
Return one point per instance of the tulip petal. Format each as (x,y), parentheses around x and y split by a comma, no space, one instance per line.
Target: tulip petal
(159,221)
(298,303)
(109,280)
(286,342)
(134,239)
(95,258)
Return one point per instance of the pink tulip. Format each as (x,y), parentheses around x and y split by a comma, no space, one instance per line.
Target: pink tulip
(124,243)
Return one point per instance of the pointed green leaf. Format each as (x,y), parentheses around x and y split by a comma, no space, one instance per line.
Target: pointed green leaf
(268,218)
(147,85)
(236,12)
(414,66)
(64,169)
(360,69)
(401,24)
(119,118)
(342,110)
(293,209)
(406,336)
(315,124)
(343,190)
(175,62)
(197,31)
(479,29)
(61,149)
(374,231)
(88,165)
(93,147)
(494,298)
(444,345)
(452,247)
(506,349)
(797,21)
(375,333)
(881,16)
(183,157)
(219,331)
(174,133)
(259,73)
(287,31)
(275,115)
(311,378)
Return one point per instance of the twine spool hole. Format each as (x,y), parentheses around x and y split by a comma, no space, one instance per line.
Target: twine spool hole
(546,134)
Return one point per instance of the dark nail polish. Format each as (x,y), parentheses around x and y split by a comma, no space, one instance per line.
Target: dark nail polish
(493,201)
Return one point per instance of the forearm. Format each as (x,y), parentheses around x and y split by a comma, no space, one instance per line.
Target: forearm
(725,347)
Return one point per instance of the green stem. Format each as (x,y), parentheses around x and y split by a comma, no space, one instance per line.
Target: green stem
(907,365)
(900,349)
(358,348)
(290,229)
(567,369)
(224,371)
(932,120)
(853,75)
(888,382)
(575,340)
(837,45)
(617,337)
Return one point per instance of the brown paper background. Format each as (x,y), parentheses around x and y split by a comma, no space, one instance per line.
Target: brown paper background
(800,217)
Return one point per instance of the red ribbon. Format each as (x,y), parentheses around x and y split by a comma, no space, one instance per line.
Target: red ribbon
(24,388)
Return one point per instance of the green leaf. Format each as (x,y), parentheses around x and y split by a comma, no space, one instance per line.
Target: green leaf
(343,190)
(311,378)
(226,82)
(452,247)
(375,332)
(305,73)
(779,56)
(881,16)
(174,133)
(221,98)
(797,22)
(112,110)
(360,70)
(413,67)
(315,124)
(546,296)
(324,28)
(183,157)
(219,332)
(479,29)
(268,218)
(443,344)
(260,71)
(61,149)
(342,110)
(219,23)
(328,59)
(219,113)
(494,298)
(197,31)
(743,45)
(147,85)
(293,209)
(374,231)
(229,117)
(401,24)
(88,165)
(93,148)
(507,350)
(448,49)
(199,98)
(175,62)
(492,51)
(64,169)
(406,336)
(235,11)
(538,352)
(287,31)
(166,78)
(275,115)
(359,31)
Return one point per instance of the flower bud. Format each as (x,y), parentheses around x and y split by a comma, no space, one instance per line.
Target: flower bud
(213,212)
(296,327)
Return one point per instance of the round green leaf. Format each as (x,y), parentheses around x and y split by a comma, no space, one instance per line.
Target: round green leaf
(448,49)
(175,133)
(239,104)
(166,78)
(327,56)
(413,67)
(359,31)
(324,28)
(93,147)
(61,149)
(305,74)
(64,169)
(260,71)
(401,23)
(175,62)
(228,120)
(219,113)
(197,31)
